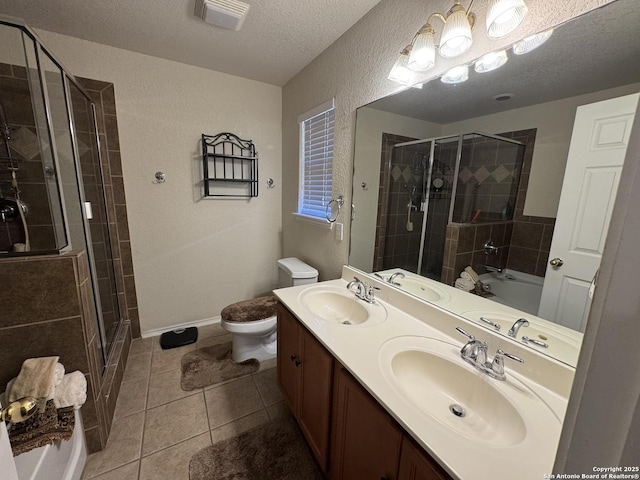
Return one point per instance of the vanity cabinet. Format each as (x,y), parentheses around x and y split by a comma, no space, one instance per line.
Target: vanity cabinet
(365,440)
(305,376)
(415,464)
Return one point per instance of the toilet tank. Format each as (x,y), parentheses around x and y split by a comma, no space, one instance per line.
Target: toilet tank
(293,271)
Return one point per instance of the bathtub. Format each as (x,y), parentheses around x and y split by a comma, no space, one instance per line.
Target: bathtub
(515,289)
(62,460)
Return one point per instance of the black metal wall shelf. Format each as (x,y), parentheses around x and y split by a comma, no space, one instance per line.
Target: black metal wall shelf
(229,165)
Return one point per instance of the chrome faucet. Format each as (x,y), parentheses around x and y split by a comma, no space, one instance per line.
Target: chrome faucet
(521,322)
(393,277)
(489,268)
(362,291)
(474,352)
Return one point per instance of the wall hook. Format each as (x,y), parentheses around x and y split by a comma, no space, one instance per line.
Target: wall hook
(271,183)
(160,177)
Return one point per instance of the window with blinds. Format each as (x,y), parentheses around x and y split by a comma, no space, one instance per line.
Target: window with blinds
(316,161)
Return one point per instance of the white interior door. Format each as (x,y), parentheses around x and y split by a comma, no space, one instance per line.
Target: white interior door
(598,145)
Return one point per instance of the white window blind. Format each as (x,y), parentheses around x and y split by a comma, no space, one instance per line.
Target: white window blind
(316,162)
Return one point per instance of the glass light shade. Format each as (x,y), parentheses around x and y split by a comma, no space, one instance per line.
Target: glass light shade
(456,75)
(491,61)
(504,16)
(400,72)
(423,54)
(456,36)
(531,43)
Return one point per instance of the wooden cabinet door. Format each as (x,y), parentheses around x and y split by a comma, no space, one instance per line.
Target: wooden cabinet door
(365,442)
(416,464)
(314,414)
(288,359)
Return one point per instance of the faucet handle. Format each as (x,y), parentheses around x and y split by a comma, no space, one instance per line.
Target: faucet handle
(510,356)
(463,332)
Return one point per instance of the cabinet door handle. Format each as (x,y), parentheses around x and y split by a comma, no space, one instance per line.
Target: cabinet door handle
(297,362)
(293,357)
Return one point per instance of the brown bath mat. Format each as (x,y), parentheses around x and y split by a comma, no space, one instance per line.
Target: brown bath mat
(273,451)
(211,365)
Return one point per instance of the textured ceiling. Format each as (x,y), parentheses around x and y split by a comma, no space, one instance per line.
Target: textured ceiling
(277,40)
(596,51)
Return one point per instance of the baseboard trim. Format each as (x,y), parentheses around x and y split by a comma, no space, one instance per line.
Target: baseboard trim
(200,323)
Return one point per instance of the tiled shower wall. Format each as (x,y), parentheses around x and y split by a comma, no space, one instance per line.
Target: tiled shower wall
(523,244)
(38,279)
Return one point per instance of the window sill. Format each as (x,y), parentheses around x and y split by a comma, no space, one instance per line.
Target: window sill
(313,221)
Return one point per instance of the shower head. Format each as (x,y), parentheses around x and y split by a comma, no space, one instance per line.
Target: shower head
(5,130)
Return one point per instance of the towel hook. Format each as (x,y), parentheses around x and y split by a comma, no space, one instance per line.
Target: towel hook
(328,211)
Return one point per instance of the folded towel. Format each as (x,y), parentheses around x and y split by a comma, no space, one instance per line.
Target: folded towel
(72,391)
(58,373)
(473,273)
(464,284)
(467,276)
(35,379)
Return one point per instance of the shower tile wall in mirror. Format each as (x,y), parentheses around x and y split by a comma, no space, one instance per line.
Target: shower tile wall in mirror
(472,175)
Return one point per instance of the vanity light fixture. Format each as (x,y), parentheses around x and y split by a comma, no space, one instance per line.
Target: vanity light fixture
(491,61)
(457,74)
(531,43)
(504,16)
(456,36)
(400,72)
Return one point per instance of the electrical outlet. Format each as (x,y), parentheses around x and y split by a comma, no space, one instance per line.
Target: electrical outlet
(339,231)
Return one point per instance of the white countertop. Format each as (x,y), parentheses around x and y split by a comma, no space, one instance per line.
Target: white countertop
(357,347)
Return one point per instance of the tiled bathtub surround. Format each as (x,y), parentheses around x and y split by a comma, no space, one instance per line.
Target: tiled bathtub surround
(47,310)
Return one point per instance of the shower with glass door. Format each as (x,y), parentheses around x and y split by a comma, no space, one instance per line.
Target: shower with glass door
(465,178)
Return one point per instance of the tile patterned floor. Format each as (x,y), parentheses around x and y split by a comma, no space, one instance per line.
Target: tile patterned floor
(157,426)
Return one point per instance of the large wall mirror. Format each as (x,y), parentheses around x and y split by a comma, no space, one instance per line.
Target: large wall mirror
(512,173)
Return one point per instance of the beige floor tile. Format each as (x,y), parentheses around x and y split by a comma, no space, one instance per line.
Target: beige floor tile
(239,426)
(232,401)
(122,448)
(165,360)
(215,340)
(137,368)
(173,423)
(131,399)
(126,472)
(278,410)
(212,330)
(173,462)
(267,384)
(141,345)
(165,387)
(267,364)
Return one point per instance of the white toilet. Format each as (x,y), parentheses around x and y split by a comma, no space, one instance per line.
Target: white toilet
(253,322)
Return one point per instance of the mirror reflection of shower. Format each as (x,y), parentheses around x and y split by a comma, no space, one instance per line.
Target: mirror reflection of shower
(431,183)
(12,208)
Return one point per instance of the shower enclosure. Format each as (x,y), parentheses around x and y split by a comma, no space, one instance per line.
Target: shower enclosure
(52,197)
(465,178)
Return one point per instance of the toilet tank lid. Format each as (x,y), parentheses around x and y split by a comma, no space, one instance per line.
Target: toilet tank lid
(297,268)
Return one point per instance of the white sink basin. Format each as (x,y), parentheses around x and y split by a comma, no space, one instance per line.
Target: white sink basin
(430,375)
(423,288)
(339,306)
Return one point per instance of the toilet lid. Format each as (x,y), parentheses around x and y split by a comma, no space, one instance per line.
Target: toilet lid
(250,310)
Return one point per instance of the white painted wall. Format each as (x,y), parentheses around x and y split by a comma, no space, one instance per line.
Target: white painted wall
(354,70)
(366,168)
(554,124)
(191,257)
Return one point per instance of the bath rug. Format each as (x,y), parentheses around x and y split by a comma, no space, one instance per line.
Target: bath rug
(42,429)
(274,451)
(211,365)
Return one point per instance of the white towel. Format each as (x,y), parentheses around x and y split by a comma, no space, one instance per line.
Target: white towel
(464,284)
(467,276)
(72,391)
(36,379)
(473,273)
(58,373)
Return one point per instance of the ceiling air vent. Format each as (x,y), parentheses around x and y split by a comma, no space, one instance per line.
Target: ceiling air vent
(222,13)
